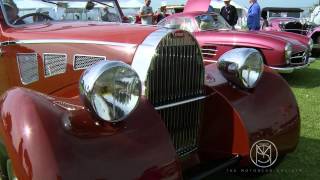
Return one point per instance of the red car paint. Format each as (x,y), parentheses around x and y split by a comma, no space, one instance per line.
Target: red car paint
(50,134)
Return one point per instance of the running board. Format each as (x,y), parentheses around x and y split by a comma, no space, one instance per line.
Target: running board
(213,169)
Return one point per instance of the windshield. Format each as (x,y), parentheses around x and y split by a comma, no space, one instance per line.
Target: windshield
(184,23)
(212,22)
(20,12)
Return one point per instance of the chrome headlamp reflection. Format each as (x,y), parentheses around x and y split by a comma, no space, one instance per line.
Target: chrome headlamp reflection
(111,89)
(242,66)
(310,44)
(288,52)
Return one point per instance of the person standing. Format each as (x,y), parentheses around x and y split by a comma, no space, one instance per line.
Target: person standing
(229,13)
(162,14)
(253,21)
(146,13)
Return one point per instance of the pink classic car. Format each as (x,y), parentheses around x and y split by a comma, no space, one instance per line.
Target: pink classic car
(289,20)
(282,51)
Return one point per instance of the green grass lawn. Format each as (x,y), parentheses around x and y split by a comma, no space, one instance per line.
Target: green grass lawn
(306,159)
(304,163)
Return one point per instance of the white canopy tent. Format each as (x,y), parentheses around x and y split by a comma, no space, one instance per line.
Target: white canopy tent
(130,7)
(218,4)
(130,4)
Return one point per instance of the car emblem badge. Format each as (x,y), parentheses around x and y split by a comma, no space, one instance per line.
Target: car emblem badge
(263,153)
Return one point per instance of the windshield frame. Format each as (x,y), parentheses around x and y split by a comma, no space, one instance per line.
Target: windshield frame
(115,2)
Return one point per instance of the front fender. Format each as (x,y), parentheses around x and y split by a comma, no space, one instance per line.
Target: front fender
(50,138)
(269,111)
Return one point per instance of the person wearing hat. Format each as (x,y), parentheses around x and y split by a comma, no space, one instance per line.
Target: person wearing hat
(162,11)
(229,13)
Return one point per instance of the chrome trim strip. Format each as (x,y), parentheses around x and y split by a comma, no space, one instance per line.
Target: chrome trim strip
(212,54)
(296,57)
(44,67)
(296,30)
(209,44)
(85,55)
(145,52)
(181,102)
(212,50)
(288,69)
(211,61)
(66,41)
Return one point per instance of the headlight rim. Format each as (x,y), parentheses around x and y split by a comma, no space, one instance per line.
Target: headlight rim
(310,44)
(236,77)
(288,52)
(94,73)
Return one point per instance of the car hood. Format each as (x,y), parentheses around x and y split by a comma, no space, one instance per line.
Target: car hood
(91,31)
(257,39)
(299,42)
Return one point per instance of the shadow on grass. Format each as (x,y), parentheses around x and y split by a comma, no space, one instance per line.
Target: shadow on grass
(304,163)
(306,78)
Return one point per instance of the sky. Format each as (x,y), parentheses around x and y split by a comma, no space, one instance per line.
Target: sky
(263,3)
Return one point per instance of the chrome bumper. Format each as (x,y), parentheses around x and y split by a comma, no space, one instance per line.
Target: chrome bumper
(285,70)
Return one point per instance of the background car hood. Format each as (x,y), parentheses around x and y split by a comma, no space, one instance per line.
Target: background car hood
(252,39)
(298,41)
(92,31)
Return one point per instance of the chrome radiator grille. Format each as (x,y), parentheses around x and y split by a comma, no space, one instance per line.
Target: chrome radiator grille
(299,58)
(176,74)
(54,64)
(28,67)
(85,61)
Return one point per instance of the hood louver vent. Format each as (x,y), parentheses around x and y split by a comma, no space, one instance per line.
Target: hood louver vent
(54,64)
(28,67)
(85,61)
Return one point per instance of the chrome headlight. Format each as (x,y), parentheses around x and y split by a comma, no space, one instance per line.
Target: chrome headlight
(111,89)
(242,66)
(288,52)
(310,44)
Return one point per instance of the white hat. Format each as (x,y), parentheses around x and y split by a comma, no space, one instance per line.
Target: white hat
(163,3)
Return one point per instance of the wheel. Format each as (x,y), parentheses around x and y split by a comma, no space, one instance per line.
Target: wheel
(6,168)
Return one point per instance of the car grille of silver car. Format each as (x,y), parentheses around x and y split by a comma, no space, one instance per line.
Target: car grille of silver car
(299,58)
(28,67)
(176,75)
(85,61)
(54,64)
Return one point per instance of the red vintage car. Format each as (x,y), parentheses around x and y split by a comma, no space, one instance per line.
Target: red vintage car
(282,51)
(88,99)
